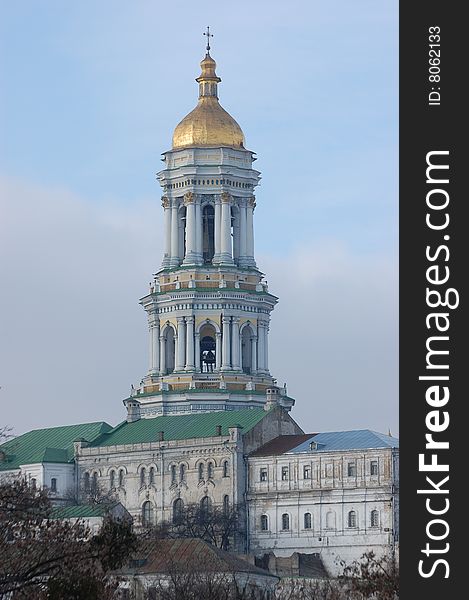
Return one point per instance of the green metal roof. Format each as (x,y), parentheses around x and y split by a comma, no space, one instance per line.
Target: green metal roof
(181,427)
(81,511)
(52,445)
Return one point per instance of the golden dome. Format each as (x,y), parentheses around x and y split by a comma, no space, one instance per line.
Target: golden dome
(208,124)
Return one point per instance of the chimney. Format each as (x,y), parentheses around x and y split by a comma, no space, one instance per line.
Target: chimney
(272,395)
(218,430)
(133,410)
(161,436)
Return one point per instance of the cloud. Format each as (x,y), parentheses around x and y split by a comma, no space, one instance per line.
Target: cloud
(73,337)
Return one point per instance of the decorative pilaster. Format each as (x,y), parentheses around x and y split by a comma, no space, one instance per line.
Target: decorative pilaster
(191,232)
(236,236)
(235,343)
(190,366)
(226,257)
(266,347)
(154,325)
(181,344)
(166,204)
(174,261)
(242,260)
(226,364)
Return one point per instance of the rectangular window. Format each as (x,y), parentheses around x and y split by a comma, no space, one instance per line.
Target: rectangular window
(374,467)
(53,484)
(284,473)
(306,472)
(351,469)
(263,475)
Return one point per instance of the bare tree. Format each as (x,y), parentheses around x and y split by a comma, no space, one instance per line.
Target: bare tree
(223,528)
(41,556)
(373,577)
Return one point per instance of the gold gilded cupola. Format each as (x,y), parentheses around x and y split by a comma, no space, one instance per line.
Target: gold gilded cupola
(208,124)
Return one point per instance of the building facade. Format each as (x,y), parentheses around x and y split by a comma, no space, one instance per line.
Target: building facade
(334,494)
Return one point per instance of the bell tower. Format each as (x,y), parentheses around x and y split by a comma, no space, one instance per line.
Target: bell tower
(209,306)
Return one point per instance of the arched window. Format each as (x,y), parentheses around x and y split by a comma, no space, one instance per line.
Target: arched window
(151,478)
(226,505)
(178,507)
(173,473)
(142,476)
(86,482)
(208,233)
(53,484)
(170,349)
(205,506)
(33,483)
(182,472)
(246,349)
(285,522)
(374,518)
(330,520)
(307,520)
(112,479)
(147,513)
(210,470)
(94,483)
(207,348)
(121,478)
(352,519)
(264,523)
(226,466)
(201,472)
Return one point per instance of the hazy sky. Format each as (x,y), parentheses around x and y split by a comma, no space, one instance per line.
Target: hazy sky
(90,95)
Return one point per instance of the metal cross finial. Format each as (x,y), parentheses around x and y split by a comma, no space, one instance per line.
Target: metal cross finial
(209,35)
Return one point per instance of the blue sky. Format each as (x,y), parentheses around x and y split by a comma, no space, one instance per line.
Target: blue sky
(91,92)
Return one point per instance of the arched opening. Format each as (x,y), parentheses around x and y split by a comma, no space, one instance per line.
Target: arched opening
(205,506)
(152,476)
(330,520)
(207,348)
(86,482)
(201,472)
(170,350)
(285,522)
(264,523)
(182,472)
(226,472)
(374,518)
(246,353)
(142,476)
(226,505)
(352,519)
(94,483)
(112,479)
(178,508)
(147,514)
(208,233)
(210,470)
(173,473)
(307,520)
(121,478)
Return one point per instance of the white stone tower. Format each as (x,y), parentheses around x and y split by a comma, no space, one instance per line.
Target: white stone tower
(208,307)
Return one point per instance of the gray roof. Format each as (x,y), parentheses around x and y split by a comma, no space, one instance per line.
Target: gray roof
(360,439)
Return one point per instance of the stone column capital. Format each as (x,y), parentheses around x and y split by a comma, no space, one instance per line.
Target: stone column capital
(189,198)
(180,319)
(225,319)
(165,202)
(225,197)
(252,202)
(235,319)
(189,319)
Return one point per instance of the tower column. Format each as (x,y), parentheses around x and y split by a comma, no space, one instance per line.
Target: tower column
(154,324)
(162,355)
(198,231)
(191,232)
(250,231)
(226,365)
(217,231)
(190,344)
(242,234)
(165,203)
(225,233)
(217,351)
(235,344)
(174,262)
(260,346)
(197,351)
(181,344)
(236,236)
(253,354)
(266,347)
